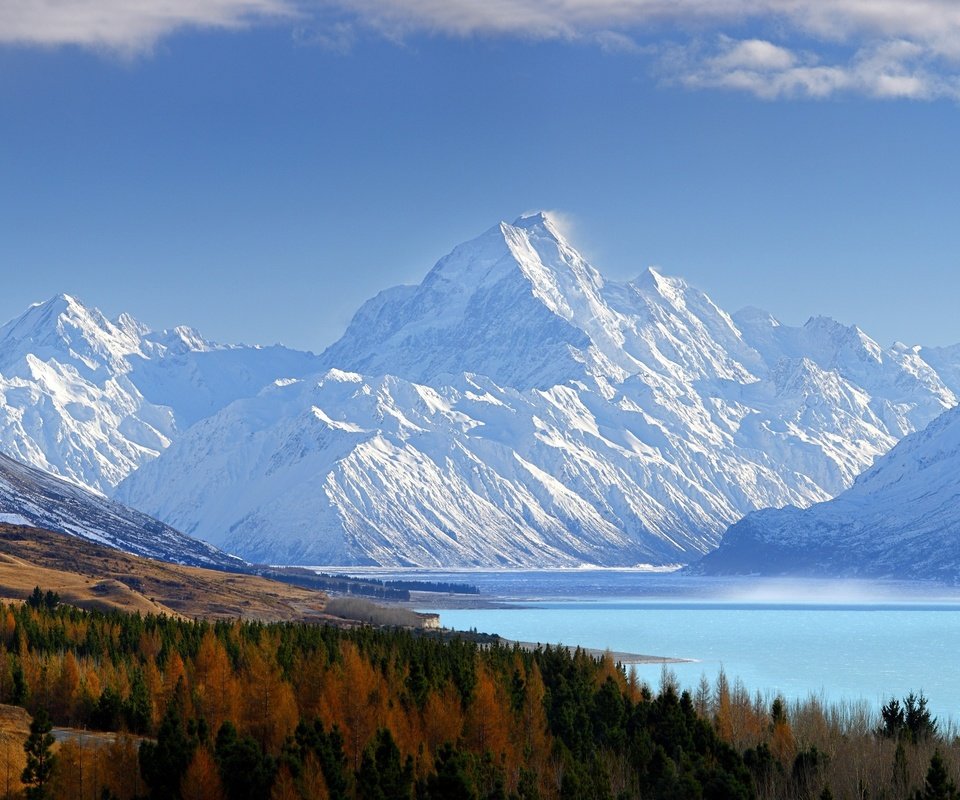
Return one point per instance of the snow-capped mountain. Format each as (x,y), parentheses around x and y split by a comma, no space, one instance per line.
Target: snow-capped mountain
(31,497)
(900,519)
(92,399)
(518,408)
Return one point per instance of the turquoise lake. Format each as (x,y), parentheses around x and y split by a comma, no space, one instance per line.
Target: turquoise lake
(842,641)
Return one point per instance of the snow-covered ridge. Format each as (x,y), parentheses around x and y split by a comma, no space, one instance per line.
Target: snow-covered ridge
(31,497)
(900,519)
(92,399)
(517,408)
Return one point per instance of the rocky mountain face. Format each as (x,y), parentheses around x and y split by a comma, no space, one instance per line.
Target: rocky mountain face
(900,519)
(517,408)
(31,497)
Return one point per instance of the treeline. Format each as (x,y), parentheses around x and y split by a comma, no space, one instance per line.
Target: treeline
(393,590)
(444,587)
(337,584)
(398,590)
(248,711)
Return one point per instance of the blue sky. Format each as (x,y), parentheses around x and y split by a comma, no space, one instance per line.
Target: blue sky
(257,168)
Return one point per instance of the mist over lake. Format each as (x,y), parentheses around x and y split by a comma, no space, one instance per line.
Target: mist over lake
(842,640)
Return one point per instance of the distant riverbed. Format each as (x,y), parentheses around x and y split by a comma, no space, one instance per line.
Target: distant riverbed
(840,640)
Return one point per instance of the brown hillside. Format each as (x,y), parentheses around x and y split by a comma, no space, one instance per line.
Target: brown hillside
(92,576)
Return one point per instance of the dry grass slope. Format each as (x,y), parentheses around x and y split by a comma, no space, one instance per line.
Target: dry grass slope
(95,577)
(14,729)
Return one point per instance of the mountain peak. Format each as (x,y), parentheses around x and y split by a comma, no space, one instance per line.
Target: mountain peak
(61,302)
(41,320)
(64,329)
(543,223)
(666,286)
(533,219)
(54,307)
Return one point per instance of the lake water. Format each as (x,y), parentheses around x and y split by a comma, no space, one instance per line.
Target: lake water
(844,641)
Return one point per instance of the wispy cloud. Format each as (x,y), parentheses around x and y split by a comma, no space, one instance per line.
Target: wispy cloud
(125,26)
(935,22)
(888,69)
(881,48)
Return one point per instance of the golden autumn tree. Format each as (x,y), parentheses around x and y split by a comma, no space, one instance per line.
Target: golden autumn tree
(284,786)
(66,688)
(356,700)
(174,674)
(312,782)
(121,774)
(309,677)
(442,718)
(12,762)
(487,726)
(782,743)
(722,712)
(534,739)
(202,781)
(268,709)
(68,775)
(215,686)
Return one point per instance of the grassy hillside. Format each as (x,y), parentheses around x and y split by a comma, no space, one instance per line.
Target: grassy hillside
(91,576)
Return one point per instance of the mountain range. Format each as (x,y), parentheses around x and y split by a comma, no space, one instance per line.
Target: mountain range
(92,399)
(900,519)
(515,408)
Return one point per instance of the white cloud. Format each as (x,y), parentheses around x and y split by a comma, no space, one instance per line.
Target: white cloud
(126,26)
(892,69)
(934,22)
(883,48)
(754,54)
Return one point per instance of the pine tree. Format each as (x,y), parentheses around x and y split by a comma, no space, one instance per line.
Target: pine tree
(382,774)
(938,784)
(35,600)
(920,723)
(451,781)
(40,758)
(893,719)
(900,778)
(164,762)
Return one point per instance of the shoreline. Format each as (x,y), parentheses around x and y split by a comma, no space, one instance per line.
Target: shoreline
(445,601)
(618,657)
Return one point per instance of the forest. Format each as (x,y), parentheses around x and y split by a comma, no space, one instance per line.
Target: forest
(287,711)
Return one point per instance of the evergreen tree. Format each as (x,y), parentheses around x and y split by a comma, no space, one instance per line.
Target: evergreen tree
(451,781)
(808,767)
(938,784)
(35,600)
(137,709)
(920,724)
(106,714)
(20,691)
(164,762)
(893,719)
(247,773)
(40,758)
(778,711)
(900,779)
(381,775)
